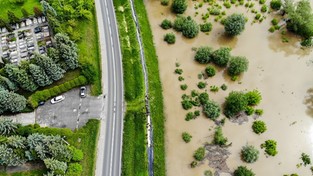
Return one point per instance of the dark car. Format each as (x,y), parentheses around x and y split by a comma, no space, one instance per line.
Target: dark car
(37,30)
(83,92)
(41,103)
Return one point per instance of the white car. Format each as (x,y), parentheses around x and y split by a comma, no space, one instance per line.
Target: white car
(57,99)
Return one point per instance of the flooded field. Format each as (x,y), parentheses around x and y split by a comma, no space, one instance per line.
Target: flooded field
(282,72)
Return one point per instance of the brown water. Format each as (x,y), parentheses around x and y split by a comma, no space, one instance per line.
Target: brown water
(282,72)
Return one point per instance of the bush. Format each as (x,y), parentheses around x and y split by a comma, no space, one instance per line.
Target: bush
(210,71)
(243,171)
(203,55)
(276,4)
(74,169)
(89,71)
(262,1)
(77,154)
(219,138)
(305,159)
(18,2)
(183,87)
(234,24)
(258,112)
(201,85)
(271,29)
(307,42)
(199,154)
(193,164)
(179,71)
(249,154)
(224,87)
(257,16)
(166,24)
(274,21)
(180,78)
(237,65)
(190,116)
(197,113)
(186,104)
(186,137)
(249,110)
(179,6)
(211,110)
(203,98)
(206,27)
(169,38)
(221,56)
(164,2)
(253,97)
(235,103)
(264,8)
(270,147)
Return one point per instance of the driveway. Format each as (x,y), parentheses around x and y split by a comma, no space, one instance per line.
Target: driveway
(73,112)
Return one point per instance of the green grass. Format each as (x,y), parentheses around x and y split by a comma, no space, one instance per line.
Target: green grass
(89,49)
(29,5)
(134,150)
(133,75)
(155,89)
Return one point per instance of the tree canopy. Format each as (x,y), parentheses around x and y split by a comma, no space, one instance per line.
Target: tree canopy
(234,24)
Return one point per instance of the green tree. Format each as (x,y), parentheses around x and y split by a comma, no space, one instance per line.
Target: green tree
(211,110)
(77,154)
(259,127)
(187,26)
(249,154)
(8,84)
(210,71)
(12,18)
(39,75)
(17,142)
(9,158)
(243,171)
(221,56)
(24,12)
(56,166)
(54,71)
(60,152)
(276,4)
(203,98)
(16,102)
(179,6)
(24,80)
(234,24)
(203,55)
(206,27)
(235,103)
(237,65)
(89,71)
(253,97)
(186,137)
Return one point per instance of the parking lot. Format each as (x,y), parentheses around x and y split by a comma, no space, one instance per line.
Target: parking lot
(72,112)
(29,36)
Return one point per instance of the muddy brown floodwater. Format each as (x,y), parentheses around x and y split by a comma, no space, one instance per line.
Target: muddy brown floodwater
(282,72)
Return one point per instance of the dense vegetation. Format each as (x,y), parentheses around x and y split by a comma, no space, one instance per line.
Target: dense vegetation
(32,143)
(179,6)
(187,26)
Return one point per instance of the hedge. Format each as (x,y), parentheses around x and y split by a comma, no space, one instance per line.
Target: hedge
(44,95)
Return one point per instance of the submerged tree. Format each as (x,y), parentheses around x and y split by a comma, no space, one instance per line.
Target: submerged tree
(234,24)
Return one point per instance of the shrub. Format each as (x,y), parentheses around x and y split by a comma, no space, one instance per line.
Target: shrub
(276,4)
(243,171)
(190,28)
(190,116)
(179,71)
(221,56)
(77,154)
(186,137)
(206,27)
(224,87)
(197,113)
(170,38)
(211,110)
(271,29)
(219,138)
(234,24)
(193,164)
(257,16)
(199,154)
(179,6)
(74,169)
(213,88)
(258,112)
(203,98)
(307,42)
(164,2)
(208,173)
(264,8)
(89,71)
(305,159)
(201,85)
(235,103)
(186,104)
(180,78)
(270,147)
(203,55)
(262,1)
(210,71)
(249,154)
(249,110)
(253,97)
(237,65)
(274,21)
(166,24)
(183,87)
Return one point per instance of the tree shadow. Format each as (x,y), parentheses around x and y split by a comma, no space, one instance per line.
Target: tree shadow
(226,40)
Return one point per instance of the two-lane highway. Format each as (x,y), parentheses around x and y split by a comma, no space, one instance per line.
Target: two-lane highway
(110,141)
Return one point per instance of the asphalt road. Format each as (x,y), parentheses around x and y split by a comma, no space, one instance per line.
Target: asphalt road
(112,143)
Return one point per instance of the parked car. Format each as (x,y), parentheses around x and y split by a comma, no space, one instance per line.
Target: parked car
(41,103)
(83,92)
(57,99)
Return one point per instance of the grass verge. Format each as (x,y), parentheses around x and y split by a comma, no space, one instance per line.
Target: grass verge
(155,89)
